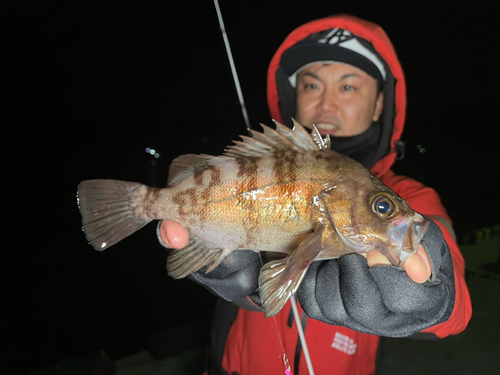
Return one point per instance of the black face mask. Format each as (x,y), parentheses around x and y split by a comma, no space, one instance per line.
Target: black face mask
(361,147)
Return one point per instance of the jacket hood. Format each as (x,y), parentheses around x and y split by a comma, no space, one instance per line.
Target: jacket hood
(395,95)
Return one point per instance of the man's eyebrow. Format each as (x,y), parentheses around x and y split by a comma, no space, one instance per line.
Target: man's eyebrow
(348,75)
(315,76)
(311,74)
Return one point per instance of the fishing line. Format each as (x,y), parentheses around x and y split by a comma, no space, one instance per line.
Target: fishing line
(233,68)
(285,358)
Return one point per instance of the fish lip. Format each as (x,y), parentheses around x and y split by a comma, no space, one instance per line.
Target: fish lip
(419,229)
(419,226)
(423,227)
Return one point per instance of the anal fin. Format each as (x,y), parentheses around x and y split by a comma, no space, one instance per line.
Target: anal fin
(193,257)
(279,279)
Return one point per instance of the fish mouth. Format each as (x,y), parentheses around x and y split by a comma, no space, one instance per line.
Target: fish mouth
(402,240)
(405,237)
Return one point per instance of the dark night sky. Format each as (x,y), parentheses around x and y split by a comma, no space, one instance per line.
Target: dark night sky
(90,85)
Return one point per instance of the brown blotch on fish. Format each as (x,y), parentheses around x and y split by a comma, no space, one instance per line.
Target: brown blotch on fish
(285,165)
(214,181)
(150,200)
(198,178)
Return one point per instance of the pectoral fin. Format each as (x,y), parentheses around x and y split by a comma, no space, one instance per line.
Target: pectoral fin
(279,279)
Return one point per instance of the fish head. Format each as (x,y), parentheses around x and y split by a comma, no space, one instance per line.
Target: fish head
(397,229)
(372,216)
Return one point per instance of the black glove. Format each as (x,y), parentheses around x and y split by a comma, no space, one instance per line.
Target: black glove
(237,278)
(381,300)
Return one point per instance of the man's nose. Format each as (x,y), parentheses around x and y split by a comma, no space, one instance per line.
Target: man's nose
(328,101)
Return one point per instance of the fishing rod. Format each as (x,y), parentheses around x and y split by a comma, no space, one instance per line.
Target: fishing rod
(233,68)
(293,301)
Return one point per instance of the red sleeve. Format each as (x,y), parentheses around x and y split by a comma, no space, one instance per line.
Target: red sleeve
(426,201)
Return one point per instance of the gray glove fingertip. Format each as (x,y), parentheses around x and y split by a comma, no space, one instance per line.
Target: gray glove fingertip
(435,248)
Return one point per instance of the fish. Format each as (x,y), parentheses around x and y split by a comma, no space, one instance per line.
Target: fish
(278,190)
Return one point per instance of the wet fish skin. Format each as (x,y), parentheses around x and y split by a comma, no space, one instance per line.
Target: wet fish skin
(281,191)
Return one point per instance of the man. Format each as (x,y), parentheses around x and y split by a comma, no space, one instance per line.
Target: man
(341,74)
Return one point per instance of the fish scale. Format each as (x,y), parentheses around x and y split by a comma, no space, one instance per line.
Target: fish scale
(281,190)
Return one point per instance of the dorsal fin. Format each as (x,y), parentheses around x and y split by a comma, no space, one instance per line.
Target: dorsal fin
(322,143)
(298,135)
(185,165)
(262,143)
(278,137)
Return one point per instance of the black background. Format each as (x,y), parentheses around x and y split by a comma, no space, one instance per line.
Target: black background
(87,86)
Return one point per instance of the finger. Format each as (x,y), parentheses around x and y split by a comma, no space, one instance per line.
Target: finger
(418,266)
(358,288)
(376,258)
(173,234)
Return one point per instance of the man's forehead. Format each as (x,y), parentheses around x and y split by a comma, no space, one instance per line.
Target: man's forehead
(331,68)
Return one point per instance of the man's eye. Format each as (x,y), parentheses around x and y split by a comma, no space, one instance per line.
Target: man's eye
(347,88)
(312,86)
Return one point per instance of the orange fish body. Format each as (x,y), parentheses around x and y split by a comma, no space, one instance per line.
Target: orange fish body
(266,203)
(281,191)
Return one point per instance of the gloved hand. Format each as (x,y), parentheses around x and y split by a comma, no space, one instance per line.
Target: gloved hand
(381,300)
(233,279)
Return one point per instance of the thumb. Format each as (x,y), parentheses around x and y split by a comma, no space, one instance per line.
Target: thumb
(173,234)
(418,266)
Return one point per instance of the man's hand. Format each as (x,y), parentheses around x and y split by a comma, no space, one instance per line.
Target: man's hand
(417,266)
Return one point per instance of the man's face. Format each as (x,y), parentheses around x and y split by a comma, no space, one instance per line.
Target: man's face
(339,99)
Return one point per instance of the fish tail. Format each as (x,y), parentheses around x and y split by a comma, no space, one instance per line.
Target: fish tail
(111,210)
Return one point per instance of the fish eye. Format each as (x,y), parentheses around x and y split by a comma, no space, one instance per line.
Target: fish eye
(384,206)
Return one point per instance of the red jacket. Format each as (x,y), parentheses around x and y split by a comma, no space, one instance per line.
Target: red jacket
(254,345)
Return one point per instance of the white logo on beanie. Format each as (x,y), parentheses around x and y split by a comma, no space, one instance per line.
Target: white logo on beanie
(345,39)
(335,36)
